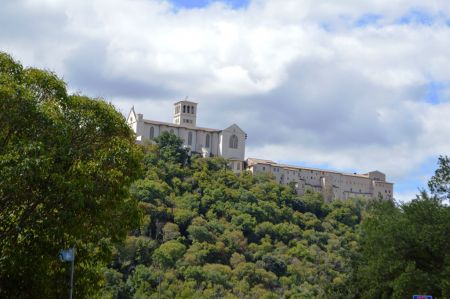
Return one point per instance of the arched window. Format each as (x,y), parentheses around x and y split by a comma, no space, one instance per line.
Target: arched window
(190,138)
(233,141)
(207,140)
(152,132)
(189,109)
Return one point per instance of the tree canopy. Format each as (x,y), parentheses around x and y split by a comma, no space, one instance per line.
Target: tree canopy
(406,247)
(66,163)
(209,233)
(439,184)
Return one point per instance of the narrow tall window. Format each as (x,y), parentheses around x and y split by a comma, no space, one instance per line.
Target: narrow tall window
(152,132)
(233,141)
(190,138)
(189,109)
(184,108)
(192,109)
(207,140)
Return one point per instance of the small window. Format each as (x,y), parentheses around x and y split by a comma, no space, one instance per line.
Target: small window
(152,132)
(184,108)
(207,140)
(264,168)
(233,141)
(188,109)
(190,138)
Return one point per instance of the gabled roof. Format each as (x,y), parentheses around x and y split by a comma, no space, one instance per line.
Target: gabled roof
(234,128)
(132,112)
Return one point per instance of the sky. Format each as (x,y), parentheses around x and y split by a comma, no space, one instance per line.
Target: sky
(348,85)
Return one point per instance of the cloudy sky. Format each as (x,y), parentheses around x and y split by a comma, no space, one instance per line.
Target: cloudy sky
(348,85)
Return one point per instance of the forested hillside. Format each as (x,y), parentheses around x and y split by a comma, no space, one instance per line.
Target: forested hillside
(208,233)
(211,234)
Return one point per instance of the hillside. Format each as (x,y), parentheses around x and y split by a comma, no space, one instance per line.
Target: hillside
(211,234)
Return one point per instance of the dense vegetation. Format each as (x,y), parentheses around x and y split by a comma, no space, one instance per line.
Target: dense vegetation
(66,164)
(209,233)
(71,175)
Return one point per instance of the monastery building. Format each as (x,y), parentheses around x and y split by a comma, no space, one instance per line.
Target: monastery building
(230,144)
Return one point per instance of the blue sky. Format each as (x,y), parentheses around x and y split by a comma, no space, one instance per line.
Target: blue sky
(349,85)
(236,4)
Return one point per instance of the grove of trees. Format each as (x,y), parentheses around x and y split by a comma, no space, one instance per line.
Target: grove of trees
(154,221)
(208,233)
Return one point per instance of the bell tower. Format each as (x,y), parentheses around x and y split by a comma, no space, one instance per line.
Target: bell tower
(185,113)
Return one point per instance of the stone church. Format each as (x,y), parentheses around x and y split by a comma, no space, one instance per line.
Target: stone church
(230,144)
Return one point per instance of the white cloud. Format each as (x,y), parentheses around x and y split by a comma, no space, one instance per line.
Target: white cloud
(300,77)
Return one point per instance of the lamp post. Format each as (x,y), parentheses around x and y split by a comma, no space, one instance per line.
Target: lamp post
(68,255)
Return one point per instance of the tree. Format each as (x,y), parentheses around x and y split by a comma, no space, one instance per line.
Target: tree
(66,163)
(440,183)
(405,249)
(168,253)
(171,148)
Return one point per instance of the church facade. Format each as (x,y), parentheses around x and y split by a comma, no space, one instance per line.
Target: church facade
(230,144)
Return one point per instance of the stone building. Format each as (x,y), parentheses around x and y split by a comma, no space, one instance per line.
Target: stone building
(331,184)
(230,144)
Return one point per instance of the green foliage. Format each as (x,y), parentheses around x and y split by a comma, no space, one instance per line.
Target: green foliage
(440,183)
(66,163)
(406,249)
(214,234)
(168,253)
(69,165)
